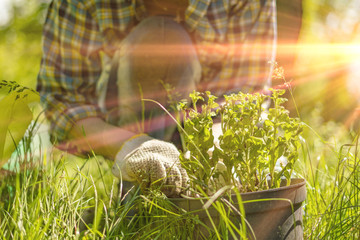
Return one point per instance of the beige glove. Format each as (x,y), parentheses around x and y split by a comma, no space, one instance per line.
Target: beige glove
(151,163)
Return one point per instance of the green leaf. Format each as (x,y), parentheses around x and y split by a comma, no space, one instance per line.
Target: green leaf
(15,119)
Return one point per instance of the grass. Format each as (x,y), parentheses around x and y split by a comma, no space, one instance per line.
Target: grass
(51,202)
(56,196)
(330,164)
(332,206)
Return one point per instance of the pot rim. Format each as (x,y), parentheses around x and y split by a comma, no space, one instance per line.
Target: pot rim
(299,183)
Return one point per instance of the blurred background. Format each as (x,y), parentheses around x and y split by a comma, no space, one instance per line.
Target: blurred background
(318,47)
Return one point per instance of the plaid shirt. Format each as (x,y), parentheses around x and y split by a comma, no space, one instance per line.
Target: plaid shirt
(235,40)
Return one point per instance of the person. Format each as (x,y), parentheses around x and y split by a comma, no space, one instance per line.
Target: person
(101,58)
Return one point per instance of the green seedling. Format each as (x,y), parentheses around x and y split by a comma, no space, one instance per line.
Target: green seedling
(258,145)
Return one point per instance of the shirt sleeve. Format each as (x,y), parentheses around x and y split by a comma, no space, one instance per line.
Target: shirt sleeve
(70,67)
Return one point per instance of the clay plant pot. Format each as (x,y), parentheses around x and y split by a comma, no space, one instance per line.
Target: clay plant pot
(269,219)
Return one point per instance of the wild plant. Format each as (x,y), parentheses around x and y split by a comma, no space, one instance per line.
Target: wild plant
(254,140)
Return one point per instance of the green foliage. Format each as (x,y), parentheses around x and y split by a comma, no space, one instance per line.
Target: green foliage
(330,164)
(199,138)
(253,140)
(20,42)
(15,117)
(20,53)
(49,201)
(55,197)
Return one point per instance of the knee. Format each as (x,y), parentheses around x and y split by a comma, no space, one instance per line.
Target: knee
(159,29)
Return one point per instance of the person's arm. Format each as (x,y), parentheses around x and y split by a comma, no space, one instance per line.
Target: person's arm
(94,134)
(69,71)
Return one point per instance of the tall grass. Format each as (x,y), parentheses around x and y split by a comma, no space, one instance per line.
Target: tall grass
(51,202)
(330,164)
(55,196)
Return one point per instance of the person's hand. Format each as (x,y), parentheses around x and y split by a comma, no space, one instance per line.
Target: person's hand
(151,163)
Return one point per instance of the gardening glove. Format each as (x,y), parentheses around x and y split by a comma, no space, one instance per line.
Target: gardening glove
(151,162)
